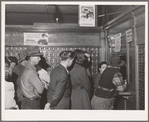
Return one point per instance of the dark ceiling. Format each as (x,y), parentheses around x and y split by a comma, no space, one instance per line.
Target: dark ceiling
(28,14)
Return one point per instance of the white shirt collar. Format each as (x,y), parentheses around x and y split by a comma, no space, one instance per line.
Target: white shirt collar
(65,68)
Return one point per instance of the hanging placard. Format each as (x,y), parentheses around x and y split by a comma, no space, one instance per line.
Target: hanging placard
(117,39)
(129,35)
(111,41)
(87,15)
(115,42)
(36,39)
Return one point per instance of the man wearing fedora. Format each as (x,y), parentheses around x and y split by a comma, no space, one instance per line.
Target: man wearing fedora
(110,83)
(31,85)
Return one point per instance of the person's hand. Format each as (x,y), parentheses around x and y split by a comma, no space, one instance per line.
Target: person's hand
(47,106)
(125,81)
(46,85)
(6,75)
(125,84)
(17,107)
(11,67)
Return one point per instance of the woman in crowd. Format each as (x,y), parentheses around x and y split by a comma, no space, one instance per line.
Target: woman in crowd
(10,103)
(87,64)
(101,67)
(13,62)
(81,87)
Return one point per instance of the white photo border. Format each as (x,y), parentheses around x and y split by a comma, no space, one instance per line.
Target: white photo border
(88,115)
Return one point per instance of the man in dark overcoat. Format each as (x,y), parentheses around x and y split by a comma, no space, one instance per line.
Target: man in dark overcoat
(58,95)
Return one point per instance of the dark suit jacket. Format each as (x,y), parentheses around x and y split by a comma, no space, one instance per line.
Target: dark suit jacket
(16,76)
(59,86)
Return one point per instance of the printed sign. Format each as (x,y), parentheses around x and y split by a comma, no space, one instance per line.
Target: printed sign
(117,38)
(129,35)
(115,42)
(36,39)
(87,15)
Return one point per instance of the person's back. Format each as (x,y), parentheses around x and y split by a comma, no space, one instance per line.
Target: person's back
(107,77)
(17,71)
(106,81)
(58,95)
(81,87)
(110,83)
(17,74)
(57,73)
(101,67)
(56,86)
(75,75)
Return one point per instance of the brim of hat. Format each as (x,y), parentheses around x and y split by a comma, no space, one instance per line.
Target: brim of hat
(21,59)
(36,54)
(121,64)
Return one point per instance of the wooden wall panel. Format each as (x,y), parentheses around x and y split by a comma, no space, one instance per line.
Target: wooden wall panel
(141,34)
(133,19)
(141,55)
(121,27)
(140,19)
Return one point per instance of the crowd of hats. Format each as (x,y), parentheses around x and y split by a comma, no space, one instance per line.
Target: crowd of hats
(21,55)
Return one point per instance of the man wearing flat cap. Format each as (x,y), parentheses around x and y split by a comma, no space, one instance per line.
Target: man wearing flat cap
(31,85)
(110,83)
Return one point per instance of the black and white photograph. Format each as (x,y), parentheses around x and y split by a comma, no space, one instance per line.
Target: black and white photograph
(76,60)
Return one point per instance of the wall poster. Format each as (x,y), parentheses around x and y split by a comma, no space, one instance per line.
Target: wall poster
(115,42)
(36,39)
(87,15)
(117,38)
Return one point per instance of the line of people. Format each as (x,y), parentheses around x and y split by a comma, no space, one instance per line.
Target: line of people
(67,86)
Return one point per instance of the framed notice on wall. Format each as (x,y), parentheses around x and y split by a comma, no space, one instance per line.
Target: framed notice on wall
(115,42)
(36,39)
(117,39)
(129,35)
(87,15)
